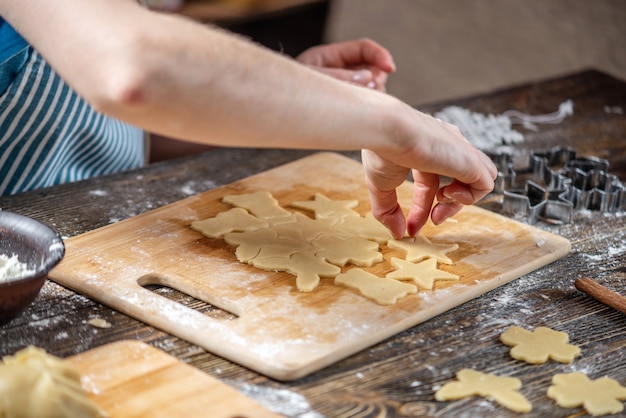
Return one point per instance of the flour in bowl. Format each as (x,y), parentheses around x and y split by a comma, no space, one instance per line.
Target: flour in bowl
(12,268)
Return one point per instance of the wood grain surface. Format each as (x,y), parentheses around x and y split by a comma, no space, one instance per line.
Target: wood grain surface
(279,331)
(396,377)
(130,379)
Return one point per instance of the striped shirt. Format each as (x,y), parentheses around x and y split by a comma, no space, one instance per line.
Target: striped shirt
(48,134)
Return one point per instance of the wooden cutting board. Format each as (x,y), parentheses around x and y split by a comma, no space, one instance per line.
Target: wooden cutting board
(279,331)
(132,379)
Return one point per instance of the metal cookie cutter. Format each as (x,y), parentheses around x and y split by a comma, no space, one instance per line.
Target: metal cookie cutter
(596,190)
(557,182)
(536,202)
(505,180)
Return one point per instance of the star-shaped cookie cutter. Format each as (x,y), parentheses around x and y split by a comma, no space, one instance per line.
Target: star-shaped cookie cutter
(557,182)
(536,203)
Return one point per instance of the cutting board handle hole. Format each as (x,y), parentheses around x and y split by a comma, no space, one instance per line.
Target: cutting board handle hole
(190,302)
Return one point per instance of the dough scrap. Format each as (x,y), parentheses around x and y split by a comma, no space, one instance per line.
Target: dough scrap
(34,384)
(307,229)
(536,347)
(381,289)
(306,266)
(423,273)
(599,397)
(367,227)
(269,237)
(282,248)
(235,219)
(419,247)
(323,207)
(99,323)
(504,390)
(249,243)
(355,250)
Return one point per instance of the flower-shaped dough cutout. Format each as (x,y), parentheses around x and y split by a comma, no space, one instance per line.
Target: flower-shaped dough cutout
(599,397)
(536,347)
(381,289)
(235,219)
(324,207)
(503,390)
(423,273)
(419,247)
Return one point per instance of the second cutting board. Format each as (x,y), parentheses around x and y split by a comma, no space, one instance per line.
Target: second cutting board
(274,329)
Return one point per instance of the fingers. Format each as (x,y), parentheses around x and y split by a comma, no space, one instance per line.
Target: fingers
(425,187)
(350,54)
(366,51)
(364,77)
(450,199)
(443,211)
(382,178)
(362,62)
(386,209)
(434,149)
(475,172)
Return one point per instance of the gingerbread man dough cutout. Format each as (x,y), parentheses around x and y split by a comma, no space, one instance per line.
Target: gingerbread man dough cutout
(503,390)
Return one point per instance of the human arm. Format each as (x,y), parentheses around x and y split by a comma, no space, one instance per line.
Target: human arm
(181,79)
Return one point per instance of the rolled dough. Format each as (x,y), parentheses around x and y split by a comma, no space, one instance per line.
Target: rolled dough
(269,237)
(34,384)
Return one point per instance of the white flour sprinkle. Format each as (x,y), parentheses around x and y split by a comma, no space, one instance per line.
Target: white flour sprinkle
(12,268)
(489,132)
(281,401)
(486,132)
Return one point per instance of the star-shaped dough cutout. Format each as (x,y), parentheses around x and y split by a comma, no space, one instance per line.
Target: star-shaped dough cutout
(536,347)
(419,247)
(381,289)
(599,397)
(324,207)
(504,390)
(423,273)
(235,219)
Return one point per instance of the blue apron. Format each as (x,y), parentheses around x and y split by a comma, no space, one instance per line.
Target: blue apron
(48,134)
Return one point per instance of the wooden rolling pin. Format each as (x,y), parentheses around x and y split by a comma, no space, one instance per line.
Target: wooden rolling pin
(601,293)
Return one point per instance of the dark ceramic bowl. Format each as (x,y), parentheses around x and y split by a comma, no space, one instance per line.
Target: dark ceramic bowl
(35,245)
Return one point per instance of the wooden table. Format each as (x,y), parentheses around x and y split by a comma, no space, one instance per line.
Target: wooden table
(399,376)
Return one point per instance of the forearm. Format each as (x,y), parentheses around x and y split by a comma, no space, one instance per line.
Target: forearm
(178,78)
(240,94)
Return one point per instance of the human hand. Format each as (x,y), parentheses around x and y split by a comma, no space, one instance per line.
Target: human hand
(363,62)
(437,149)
